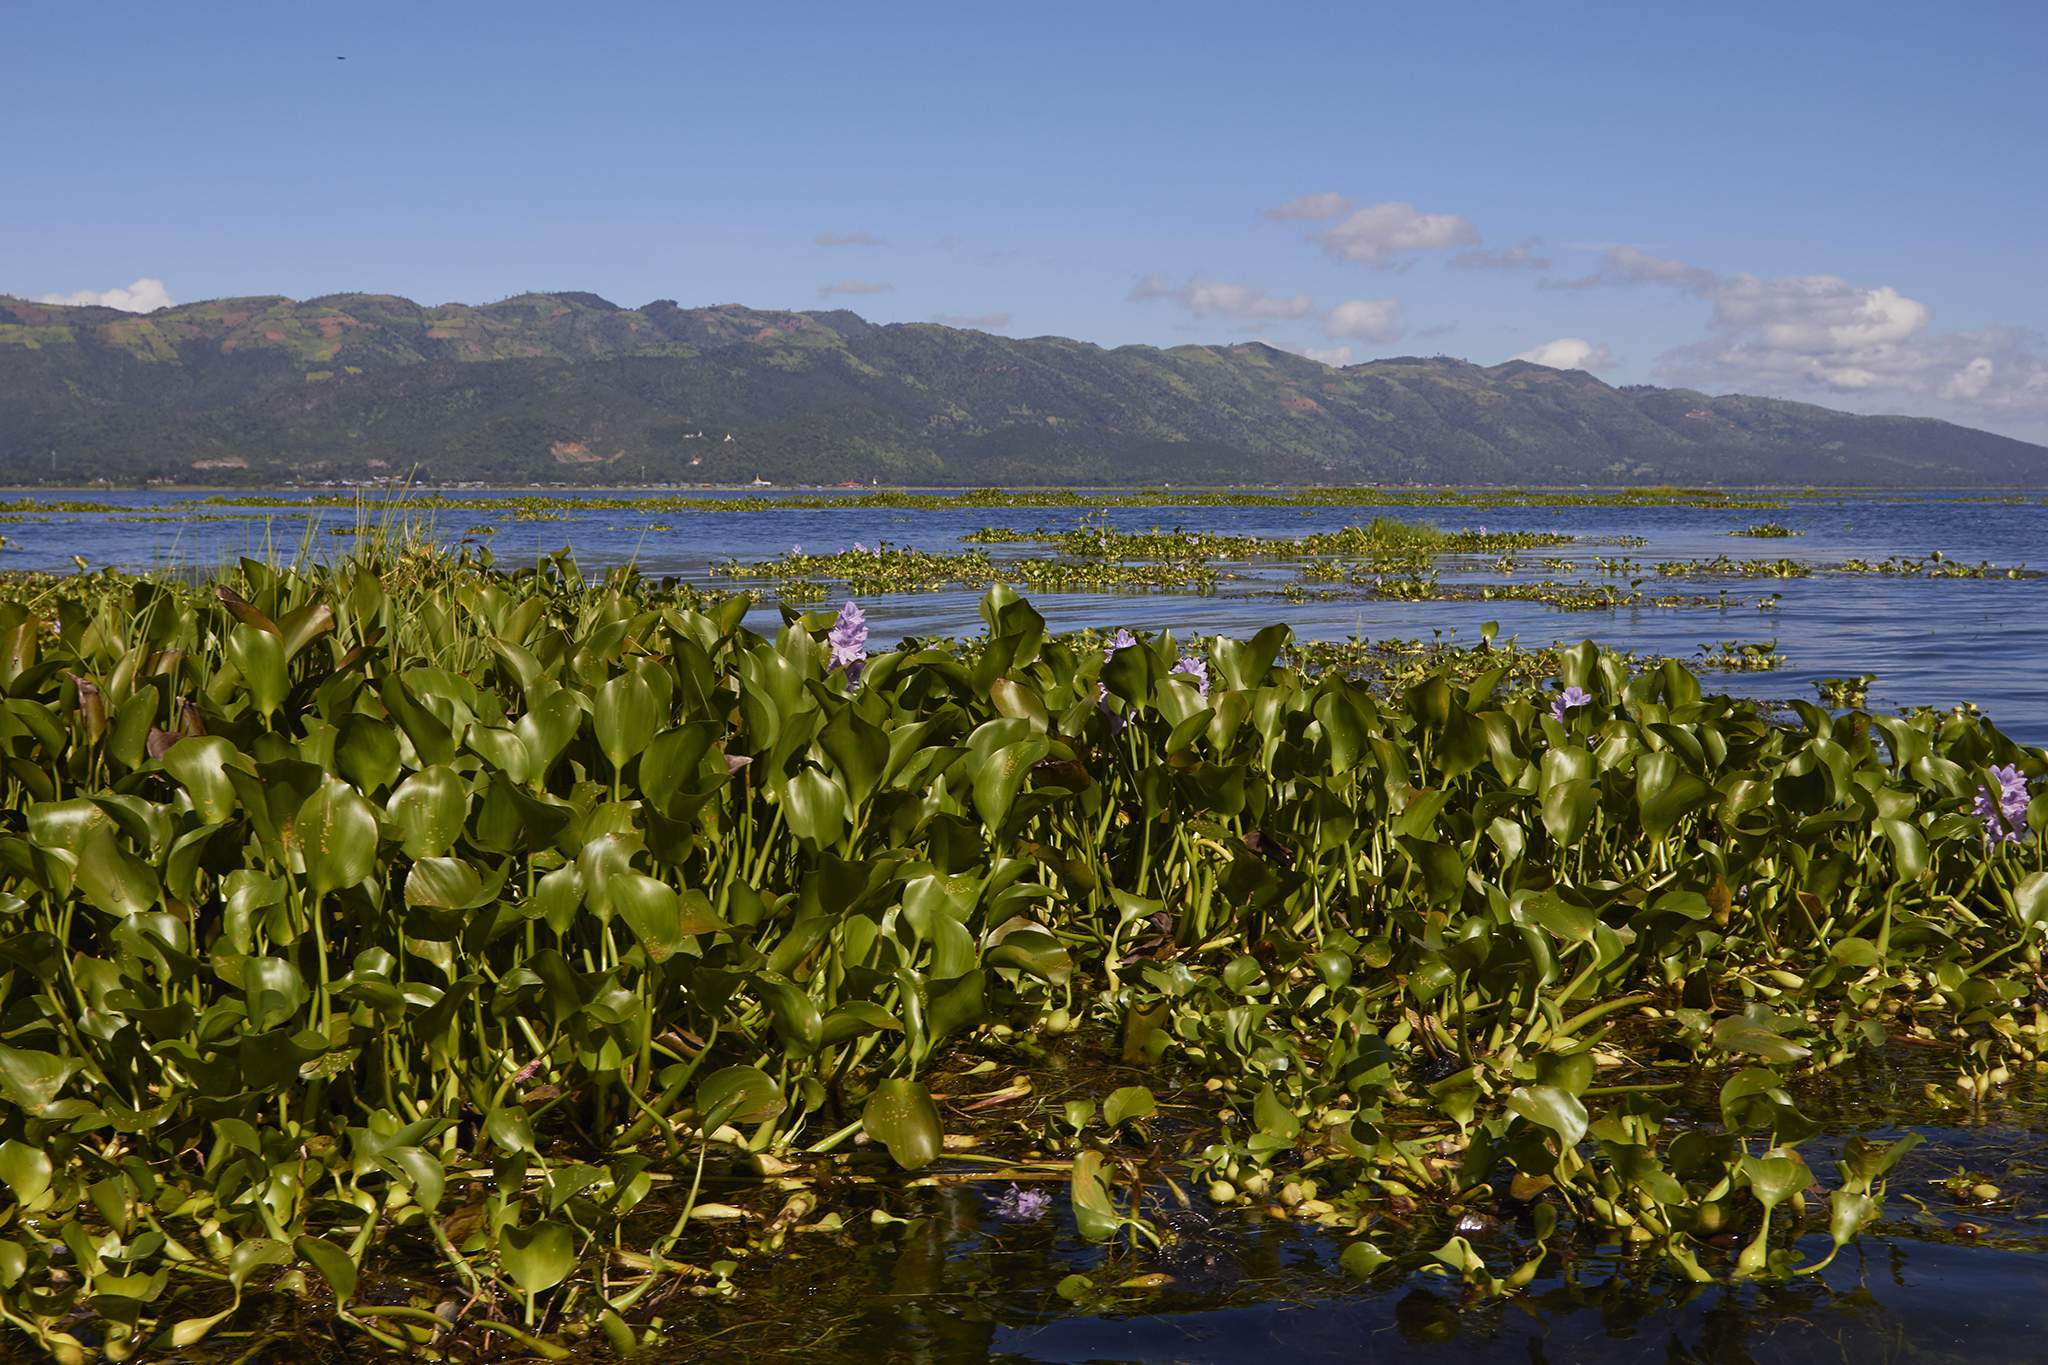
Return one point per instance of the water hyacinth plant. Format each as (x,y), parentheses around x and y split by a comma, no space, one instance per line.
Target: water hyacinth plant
(2004,811)
(848,640)
(436,958)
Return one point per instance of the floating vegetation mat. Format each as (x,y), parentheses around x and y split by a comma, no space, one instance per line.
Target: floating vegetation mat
(427,958)
(544,506)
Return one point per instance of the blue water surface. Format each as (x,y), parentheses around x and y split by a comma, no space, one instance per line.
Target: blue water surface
(1935,642)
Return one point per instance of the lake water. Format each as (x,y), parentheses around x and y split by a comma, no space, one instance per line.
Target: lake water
(1933,642)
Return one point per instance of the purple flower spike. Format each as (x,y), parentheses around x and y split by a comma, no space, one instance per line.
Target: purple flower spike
(1194,666)
(1571,699)
(2004,814)
(1019,1205)
(849,640)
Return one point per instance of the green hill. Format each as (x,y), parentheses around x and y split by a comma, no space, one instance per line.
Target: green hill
(571,388)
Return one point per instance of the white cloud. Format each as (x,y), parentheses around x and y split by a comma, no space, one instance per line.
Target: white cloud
(1220,298)
(1970,381)
(1625,265)
(1310,208)
(826,291)
(1568,353)
(1817,314)
(1507,258)
(1376,234)
(1365,319)
(143,296)
(980,321)
(847,239)
(1825,334)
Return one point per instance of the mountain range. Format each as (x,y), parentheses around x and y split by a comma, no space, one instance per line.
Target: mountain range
(570,388)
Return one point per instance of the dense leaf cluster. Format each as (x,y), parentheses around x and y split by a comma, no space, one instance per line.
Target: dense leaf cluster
(406,919)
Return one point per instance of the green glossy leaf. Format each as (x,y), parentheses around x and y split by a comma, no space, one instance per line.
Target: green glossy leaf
(259,656)
(1740,1033)
(333,1263)
(1847,1213)
(428,810)
(738,1094)
(624,714)
(200,765)
(859,752)
(1001,777)
(901,1116)
(815,808)
(26,1170)
(510,1128)
(538,1257)
(1568,810)
(366,750)
(1361,1259)
(337,833)
(798,1021)
(1095,1216)
(1130,1102)
(444,884)
(1274,1118)
(1035,952)
(652,910)
(857,1019)
(1547,1106)
(1774,1179)
(2030,901)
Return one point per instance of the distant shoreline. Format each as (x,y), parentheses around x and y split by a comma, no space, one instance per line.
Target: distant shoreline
(812,489)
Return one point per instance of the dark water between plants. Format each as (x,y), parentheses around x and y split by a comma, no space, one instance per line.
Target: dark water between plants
(1930,641)
(1942,1277)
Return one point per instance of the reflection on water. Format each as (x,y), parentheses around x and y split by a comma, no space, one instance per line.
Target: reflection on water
(1936,1280)
(956,1289)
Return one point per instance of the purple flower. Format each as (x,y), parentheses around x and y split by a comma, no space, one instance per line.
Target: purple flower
(859,548)
(1019,1205)
(1194,666)
(796,549)
(1571,699)
(849,640)
(2004,815)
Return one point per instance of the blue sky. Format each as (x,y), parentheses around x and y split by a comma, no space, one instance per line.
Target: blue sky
(1836,202)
